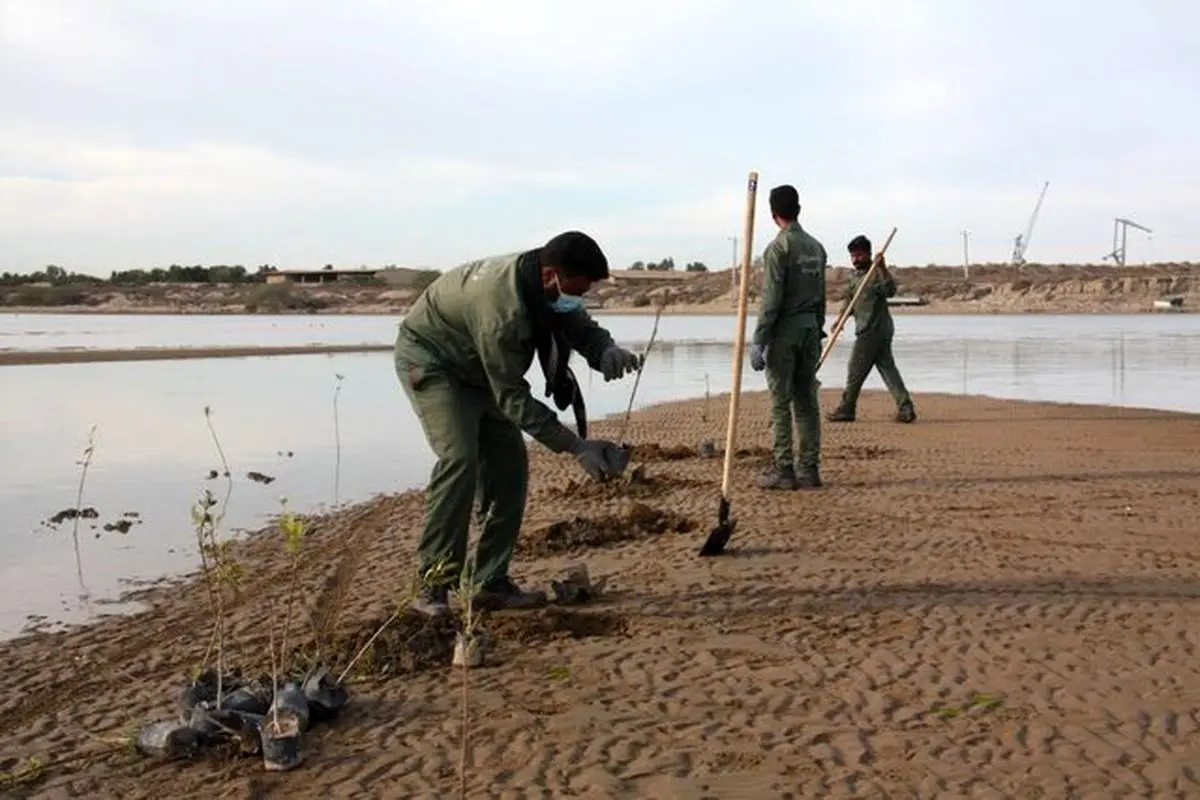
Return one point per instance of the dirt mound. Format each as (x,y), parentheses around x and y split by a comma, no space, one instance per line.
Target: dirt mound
(635,484)
(639,522)
(411,643)
(866,452)
(549,624)
(658,452)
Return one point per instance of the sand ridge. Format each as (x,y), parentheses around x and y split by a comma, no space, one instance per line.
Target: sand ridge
(997,601)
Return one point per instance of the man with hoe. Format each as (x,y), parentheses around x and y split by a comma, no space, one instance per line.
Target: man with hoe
(462,353)
(787,342)
(873,332)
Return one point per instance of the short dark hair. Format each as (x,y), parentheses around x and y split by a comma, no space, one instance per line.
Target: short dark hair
(860,242)
(577,255)
(785,202)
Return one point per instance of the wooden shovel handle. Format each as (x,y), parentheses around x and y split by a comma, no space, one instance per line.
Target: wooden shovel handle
(739,338)
(844,317)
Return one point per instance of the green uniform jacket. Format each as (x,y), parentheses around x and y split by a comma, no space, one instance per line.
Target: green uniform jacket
(871,313)
(793,291)
(475,323)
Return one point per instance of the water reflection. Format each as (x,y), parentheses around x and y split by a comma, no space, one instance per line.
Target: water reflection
(275,416)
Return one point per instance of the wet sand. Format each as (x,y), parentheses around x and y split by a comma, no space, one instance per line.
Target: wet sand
(997,601)
(87,356)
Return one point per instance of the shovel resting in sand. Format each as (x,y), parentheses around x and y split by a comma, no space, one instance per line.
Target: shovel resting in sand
(719,537)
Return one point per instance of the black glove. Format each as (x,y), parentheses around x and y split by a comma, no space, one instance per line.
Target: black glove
(599,458)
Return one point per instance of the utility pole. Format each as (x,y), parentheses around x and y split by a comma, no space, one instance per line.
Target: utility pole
(733,269)
(966,234)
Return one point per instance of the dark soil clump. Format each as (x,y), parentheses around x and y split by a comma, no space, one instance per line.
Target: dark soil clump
(635,483)
(411,643)
(638,522)
(658,452)
(549,624)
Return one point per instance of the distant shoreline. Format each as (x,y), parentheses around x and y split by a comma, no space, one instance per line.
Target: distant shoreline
(25,358)
(931,309)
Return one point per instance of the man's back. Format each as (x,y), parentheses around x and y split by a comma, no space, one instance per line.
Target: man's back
(480,296)
(793,292)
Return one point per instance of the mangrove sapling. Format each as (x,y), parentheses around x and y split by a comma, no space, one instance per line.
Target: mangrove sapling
(293,538)
(84,463)
(220,568)
(337,439)
(468,653)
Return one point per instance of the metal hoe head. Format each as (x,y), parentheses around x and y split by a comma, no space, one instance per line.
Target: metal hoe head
(714,545)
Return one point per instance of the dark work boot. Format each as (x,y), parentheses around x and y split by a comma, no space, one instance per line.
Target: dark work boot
(500,594)
(810,478)
(841,414)
(777,478)
(432,601)
(906,414)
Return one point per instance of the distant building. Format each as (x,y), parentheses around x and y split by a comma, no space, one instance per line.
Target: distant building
(646,276)
(321,276)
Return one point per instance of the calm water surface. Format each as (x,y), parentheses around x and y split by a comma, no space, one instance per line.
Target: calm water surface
(274,415)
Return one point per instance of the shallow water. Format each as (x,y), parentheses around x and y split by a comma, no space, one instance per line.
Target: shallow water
(275,415)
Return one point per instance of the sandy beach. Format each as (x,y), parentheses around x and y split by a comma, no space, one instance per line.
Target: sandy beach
(997,601)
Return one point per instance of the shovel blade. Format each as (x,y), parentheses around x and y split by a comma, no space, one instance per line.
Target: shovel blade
(718,538)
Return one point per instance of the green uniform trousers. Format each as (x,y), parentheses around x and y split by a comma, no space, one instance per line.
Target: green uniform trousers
(792,382)
(481,457)
(873,351)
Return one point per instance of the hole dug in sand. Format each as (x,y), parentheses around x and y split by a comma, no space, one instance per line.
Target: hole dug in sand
(640,521)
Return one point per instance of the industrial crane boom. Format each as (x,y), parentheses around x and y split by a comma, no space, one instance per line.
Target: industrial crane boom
(1022,241)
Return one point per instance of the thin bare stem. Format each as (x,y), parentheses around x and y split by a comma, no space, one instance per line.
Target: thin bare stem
(638,378)
(369,642)
(219,556)
(84,463)
(274,671)
(337,441)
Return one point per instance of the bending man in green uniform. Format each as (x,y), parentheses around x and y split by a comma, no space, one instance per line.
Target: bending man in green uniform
(462,353)
(873,332)
(787,342)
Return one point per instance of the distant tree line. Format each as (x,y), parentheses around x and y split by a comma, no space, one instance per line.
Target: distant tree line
(54,275)
(668,264)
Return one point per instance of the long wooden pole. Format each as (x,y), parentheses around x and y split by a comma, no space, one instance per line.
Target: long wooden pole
(849,310)
(739,339)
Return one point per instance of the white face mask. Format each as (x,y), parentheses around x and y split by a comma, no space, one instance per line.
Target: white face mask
(565,303)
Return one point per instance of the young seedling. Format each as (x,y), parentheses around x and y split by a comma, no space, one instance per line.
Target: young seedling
(468,648)
(219,567)
(337,440)
(293,538)
(84,462)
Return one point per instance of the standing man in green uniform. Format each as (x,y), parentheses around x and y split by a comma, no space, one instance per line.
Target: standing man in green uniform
(873,332)
(787,342)
(462,353)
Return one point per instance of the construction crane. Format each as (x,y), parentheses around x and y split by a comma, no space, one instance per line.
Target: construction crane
(1121,228)
(1022,241)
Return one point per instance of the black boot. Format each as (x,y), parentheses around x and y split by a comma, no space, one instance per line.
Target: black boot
(778,478)
(841,414)
(502,593)
(810,478)
(432,601)
(906,414)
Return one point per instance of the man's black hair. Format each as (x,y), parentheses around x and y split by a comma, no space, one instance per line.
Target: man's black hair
(785,202)
(577,255)
(860,242)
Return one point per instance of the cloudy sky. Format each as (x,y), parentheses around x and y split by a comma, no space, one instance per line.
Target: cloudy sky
(428,132)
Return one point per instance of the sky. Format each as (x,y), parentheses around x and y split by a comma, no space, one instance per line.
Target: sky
(140,133)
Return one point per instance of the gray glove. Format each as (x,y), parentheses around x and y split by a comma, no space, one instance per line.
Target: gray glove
(617,361)
(599,458)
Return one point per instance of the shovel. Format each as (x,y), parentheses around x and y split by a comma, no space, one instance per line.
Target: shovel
(849,310)
(638,378)
(719,537)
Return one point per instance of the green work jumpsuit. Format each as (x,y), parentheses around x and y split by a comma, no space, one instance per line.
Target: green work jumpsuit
(461,354)
(790,320)
(873,332)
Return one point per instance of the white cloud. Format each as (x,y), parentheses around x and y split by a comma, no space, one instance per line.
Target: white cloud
(139,132)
